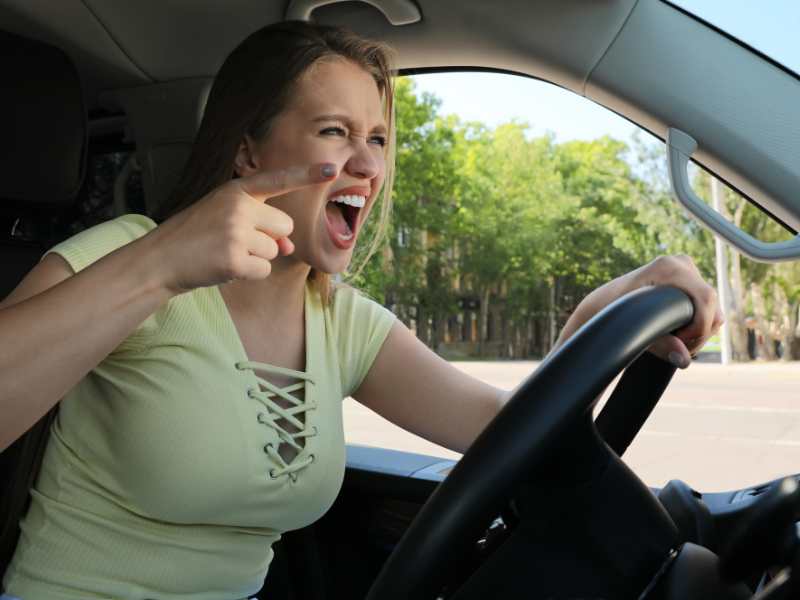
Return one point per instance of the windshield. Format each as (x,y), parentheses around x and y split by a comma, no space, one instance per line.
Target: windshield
(770,27)
(514,199)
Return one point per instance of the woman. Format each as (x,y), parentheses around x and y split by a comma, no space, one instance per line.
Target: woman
(203,418)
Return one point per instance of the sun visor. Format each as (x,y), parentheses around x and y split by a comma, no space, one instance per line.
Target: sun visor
(42,125)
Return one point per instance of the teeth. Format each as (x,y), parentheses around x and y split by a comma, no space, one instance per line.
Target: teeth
(357,201)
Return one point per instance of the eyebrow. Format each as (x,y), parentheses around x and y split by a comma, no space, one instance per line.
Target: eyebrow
(345,119)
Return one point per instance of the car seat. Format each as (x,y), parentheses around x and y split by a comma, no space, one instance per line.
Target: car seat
(42,165)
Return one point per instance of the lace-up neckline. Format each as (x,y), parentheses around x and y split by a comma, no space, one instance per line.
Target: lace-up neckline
(267,392)
(275,411)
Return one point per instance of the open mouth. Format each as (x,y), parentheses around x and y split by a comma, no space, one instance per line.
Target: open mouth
(341,214)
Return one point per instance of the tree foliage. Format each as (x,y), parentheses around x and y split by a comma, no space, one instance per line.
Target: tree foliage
(524,228)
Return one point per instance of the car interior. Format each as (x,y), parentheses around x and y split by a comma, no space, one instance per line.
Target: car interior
(541,506)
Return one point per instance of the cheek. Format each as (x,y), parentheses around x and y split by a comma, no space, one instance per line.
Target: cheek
(372,207)
(380,178)
(298,205)
(378,184)
(377,181)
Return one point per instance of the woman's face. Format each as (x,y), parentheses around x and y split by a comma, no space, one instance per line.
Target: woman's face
(335,116)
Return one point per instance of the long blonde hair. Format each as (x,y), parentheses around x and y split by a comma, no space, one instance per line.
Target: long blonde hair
(274,58)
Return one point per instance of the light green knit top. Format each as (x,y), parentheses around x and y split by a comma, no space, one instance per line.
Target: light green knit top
(161,477)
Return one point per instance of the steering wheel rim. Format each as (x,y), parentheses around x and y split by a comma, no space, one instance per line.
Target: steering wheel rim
(522,435)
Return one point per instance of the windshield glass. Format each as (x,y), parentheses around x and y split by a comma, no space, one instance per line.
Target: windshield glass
(514,199)
(769,27)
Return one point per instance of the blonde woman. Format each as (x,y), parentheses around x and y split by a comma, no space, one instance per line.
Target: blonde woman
(202,357)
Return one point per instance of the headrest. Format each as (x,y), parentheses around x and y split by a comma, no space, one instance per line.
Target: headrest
(42,124)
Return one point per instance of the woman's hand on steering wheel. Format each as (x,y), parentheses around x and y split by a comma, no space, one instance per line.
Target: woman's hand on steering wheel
(678,271)
(681,272)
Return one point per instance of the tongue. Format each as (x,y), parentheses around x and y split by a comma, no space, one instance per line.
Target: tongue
(336,219)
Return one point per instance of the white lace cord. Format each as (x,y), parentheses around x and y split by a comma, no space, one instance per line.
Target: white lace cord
(275,412)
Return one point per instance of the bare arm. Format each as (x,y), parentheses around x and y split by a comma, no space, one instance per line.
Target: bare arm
(439,403)
(678,271)
(450,408)
(55,327)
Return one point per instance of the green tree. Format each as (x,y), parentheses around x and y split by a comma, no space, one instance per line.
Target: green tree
(528,227)
(414,266)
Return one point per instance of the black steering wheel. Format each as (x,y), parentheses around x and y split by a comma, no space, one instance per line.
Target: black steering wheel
(545,435)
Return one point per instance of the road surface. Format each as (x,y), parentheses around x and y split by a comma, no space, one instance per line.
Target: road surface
(716,427)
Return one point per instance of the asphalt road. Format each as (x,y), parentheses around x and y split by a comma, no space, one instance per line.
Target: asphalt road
(716,427)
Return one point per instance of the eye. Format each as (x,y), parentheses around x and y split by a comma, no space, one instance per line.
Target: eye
(378,139)
(333,131)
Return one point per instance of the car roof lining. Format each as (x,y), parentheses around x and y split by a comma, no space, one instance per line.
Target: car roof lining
(747,124)
(135,42)
(731,37)
(578,45)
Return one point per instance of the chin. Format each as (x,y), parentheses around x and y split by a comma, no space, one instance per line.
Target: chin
(332,265)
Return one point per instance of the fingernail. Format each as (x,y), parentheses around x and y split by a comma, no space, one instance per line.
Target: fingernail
(328,170)
(677,359)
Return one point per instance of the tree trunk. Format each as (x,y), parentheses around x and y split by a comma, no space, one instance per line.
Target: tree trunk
(764,340)
(723,275)
(735,313)
(543,336)
(422,325)
(794,351)
(483,320)
(785,321)
(402,314)
(440,330)
(553,312)
(505,336)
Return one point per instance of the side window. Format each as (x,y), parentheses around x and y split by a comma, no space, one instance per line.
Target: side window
(513,200)
(112,187)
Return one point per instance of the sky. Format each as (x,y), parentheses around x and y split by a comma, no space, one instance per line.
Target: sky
(770,26)
(495,98)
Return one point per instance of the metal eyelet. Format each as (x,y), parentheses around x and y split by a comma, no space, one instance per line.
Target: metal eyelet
(260,418)
(272,474)
(250,392)
(267,448)
(238,366)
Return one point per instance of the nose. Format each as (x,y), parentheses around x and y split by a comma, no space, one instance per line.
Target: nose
(365,161)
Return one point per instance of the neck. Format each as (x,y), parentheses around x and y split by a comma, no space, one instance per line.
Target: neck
(279,296)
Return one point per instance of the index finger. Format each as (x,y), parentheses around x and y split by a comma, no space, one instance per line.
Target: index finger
(267,184)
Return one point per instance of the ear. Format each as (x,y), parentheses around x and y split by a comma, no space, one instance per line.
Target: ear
(246,161)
